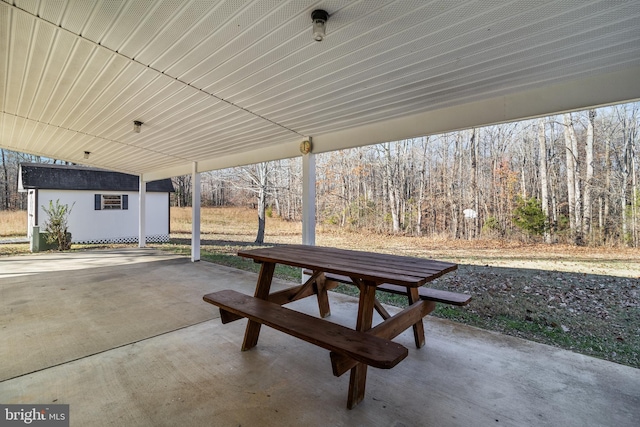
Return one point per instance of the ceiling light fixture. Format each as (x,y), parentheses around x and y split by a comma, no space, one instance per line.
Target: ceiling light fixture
(305,146)
(137,124)
(319,19)
(86,154)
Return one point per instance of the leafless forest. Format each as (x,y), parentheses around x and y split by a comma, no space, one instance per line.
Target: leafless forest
(571,178)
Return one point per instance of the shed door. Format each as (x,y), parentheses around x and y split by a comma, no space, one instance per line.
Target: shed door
(31,212)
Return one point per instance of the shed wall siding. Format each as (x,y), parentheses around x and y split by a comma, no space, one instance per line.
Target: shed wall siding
(88,225)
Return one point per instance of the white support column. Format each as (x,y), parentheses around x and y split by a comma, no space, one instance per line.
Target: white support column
(308,202)
(309,199)
(142,213)
(195,213)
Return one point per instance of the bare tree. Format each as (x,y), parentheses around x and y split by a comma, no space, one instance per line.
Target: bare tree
(391,181)
(424,143)
(5,198)
(473,149)
(182,195)
(544,186)
(589,174)
(626,161)
(605,222)
(256,179)
(571,158)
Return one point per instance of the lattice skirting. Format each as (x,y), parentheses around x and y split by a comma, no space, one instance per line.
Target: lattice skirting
(158,238)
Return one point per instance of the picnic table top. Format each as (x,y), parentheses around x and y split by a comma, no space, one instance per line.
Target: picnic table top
(369,266)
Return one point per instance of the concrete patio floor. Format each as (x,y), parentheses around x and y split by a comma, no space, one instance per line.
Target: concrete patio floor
(124,338)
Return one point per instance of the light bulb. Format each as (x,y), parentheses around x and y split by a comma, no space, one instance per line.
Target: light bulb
(318,30)
(319,20)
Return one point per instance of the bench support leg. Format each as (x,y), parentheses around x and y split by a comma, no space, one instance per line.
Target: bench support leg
(388,329)
(358,378)
(263,287)
(381,310)
(418,327)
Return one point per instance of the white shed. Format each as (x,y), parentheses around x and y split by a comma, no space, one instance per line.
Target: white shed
(105,203)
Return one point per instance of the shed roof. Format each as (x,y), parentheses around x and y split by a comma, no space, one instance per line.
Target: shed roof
(64,177)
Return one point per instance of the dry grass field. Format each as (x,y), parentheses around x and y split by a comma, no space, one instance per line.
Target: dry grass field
(585,299)
(13,224)
(239,225)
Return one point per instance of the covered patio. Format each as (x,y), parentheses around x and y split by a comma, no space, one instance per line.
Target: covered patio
(124,338)
(160,89)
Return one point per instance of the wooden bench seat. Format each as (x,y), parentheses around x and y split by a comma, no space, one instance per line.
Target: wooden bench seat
(360,346)
(427,294)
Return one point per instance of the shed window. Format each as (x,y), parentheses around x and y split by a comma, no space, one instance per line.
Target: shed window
(111,202)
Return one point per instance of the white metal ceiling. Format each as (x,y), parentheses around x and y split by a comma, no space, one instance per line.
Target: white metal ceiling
(237,81)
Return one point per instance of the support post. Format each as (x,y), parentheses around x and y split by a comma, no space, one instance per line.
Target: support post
(142,213)
(308,202)
(195,213)
(309,199)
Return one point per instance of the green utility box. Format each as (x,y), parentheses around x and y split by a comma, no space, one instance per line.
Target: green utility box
(39,241)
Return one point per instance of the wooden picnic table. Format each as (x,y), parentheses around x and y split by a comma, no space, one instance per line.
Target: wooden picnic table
(352,350)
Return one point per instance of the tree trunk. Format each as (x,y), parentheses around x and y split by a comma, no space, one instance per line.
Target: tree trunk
(589,175)
(544,186)
(571,174)
(634,203)
(474,180)
(452,195)
(421,186)
(6,182)
(523,176)
(261,179)
(392,190)
(606,227)
(626,170)
(601,218)
(635,195)
(578,208)
(262,198)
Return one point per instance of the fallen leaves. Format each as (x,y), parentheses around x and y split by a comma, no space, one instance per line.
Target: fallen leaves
(601,312)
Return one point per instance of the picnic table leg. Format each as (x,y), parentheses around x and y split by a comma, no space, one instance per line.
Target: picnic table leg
(263,287)
(323,297)
(358,376)
(418,327)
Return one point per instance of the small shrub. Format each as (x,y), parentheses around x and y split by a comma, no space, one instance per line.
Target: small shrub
(332,220)
(56,226)
(529,217)
(491,227)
